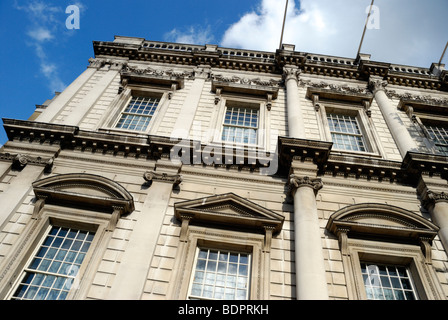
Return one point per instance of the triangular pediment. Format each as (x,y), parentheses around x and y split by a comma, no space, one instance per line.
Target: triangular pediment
(229,209)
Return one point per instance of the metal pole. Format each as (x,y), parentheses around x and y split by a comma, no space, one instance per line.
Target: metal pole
(365,27)
(283,27)
(440,61)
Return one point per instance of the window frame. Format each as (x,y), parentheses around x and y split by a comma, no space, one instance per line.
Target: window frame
(97,203)
(194,270)
(27,270)
(218,239)
(123,112)
(69,218)
(244,106)
(365,123)
(263,130)
(423,120)
(385,234)
(377,252)
(243,226)
(121,102)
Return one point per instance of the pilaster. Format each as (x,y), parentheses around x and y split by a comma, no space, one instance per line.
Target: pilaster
(28,169)
(136,262)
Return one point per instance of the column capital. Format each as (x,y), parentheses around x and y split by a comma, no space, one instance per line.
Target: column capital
(377,84)
(296,182)
(435,197)
(291,73)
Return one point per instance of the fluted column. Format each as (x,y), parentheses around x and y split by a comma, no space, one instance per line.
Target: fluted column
(311,283)
(294,111)
(396,126)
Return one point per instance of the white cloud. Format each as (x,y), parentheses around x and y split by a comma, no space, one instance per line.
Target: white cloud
(46,29)
(192,35)
(41,34)
(411,31)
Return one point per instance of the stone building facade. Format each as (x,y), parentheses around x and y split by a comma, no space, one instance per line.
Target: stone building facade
(172,171)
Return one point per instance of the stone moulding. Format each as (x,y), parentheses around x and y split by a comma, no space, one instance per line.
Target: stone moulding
(255,61)
(84,190)
(381,221)
(231,210)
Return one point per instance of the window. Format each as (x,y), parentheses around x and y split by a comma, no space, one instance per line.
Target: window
(220,275)
(240,125)
(439,135)
(345,132)
(138,113)
(399,268)
(52,270)
(56,255)
(387,282)
(224,249)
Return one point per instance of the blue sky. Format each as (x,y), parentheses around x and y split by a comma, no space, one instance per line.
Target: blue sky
(39,55)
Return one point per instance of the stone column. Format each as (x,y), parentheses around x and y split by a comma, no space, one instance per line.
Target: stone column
(437,204)
(311,283)
(433,193)
(393,120)
(296,126)
(134,267)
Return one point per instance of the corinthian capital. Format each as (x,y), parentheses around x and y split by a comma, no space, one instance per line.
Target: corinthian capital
(377,83)
(296,182)
(291,72)
(437,197)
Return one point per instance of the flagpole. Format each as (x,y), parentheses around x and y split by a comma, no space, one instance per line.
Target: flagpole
(365,27)
(283,27)
(443,54)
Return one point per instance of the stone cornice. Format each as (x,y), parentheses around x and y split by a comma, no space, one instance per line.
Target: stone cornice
(272,62)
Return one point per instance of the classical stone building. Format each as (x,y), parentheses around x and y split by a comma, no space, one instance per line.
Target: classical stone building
(172,171)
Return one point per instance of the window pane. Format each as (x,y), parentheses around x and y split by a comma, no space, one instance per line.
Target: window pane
(55,285)
(387,282)
(345,132)
(240,125)
(227,275)
(137,115)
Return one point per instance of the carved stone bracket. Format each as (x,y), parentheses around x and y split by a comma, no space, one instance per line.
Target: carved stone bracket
(174,179)
(296,182)
(19,161)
